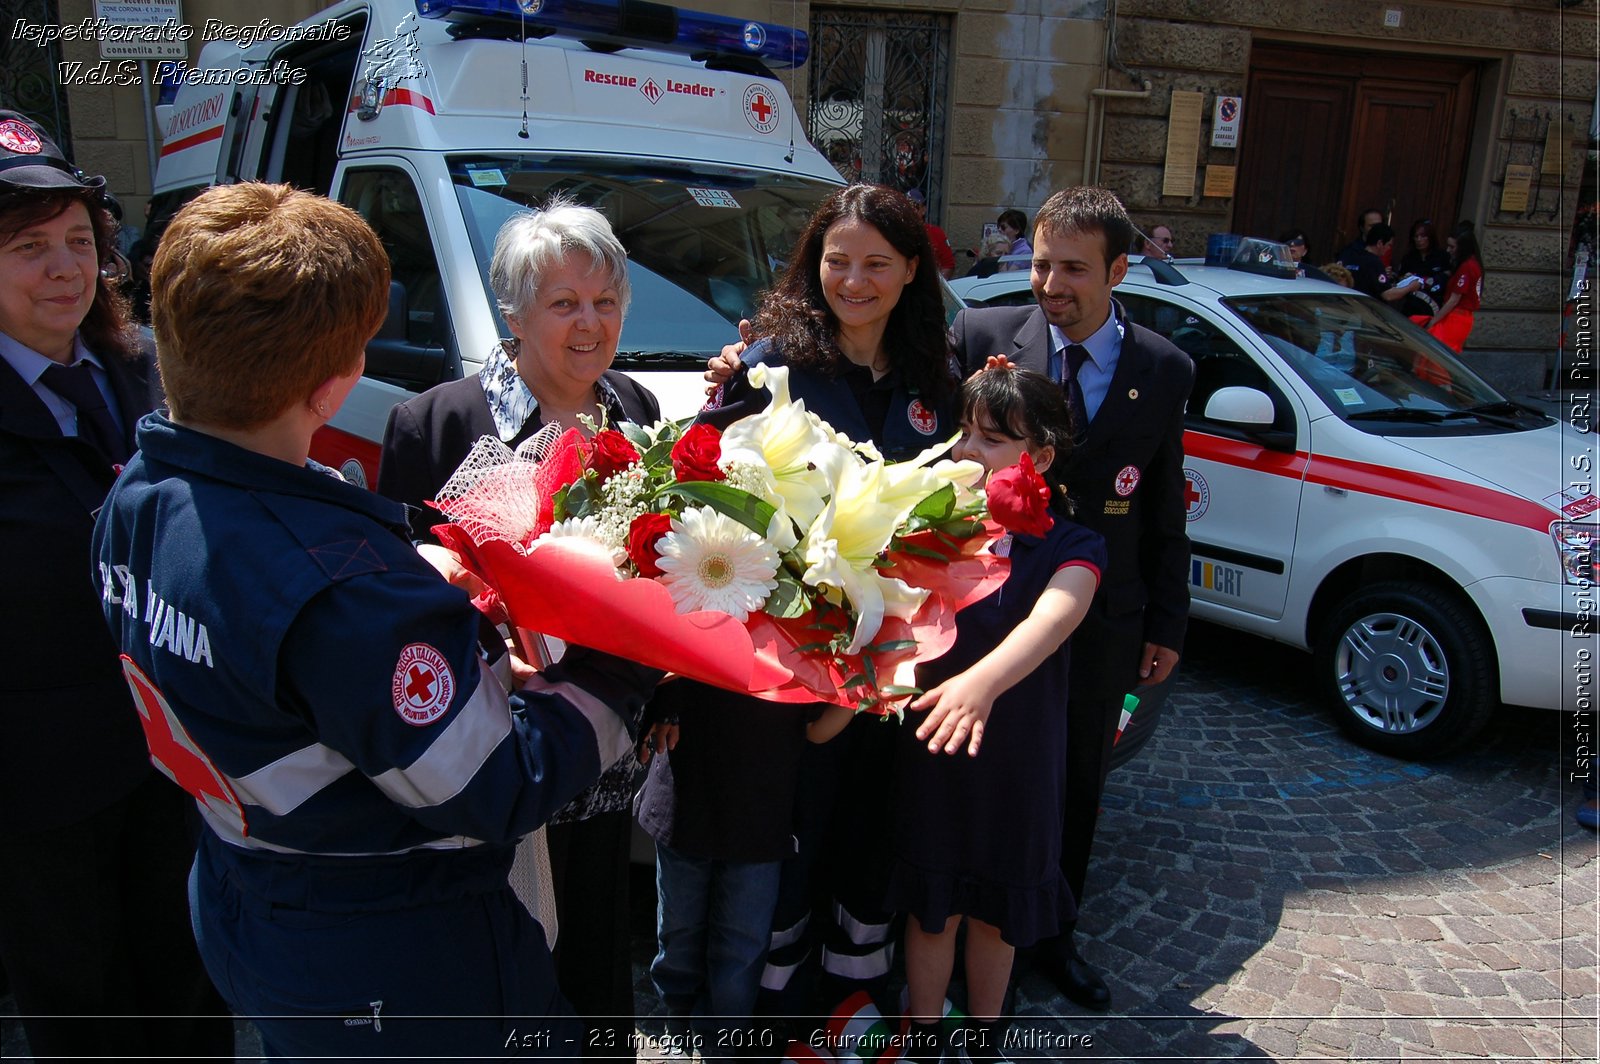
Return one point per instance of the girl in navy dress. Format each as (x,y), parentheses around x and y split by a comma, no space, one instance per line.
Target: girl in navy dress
(979,780)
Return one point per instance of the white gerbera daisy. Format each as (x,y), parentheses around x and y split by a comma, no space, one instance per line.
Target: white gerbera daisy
(709,561)
(585,529)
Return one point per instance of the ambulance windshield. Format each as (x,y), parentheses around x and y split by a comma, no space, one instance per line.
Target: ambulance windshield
(1374,368)
(703,242)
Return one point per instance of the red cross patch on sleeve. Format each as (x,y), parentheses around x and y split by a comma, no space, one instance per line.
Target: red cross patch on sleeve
(423,685)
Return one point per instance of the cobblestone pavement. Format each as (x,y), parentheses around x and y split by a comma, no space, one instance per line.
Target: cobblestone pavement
(1265,889)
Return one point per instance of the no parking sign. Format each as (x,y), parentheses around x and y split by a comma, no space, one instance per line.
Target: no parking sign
(1225,121)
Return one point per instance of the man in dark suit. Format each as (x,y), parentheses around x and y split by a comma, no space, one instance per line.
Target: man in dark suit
(94,846)
(1127,387)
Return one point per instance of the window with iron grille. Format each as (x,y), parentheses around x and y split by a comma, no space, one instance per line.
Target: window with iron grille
(878,96)
(28,80)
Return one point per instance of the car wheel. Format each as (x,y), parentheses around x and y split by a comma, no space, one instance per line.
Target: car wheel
(1409,669)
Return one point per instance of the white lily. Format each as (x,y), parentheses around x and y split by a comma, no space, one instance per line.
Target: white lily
(848,536)
(801,459)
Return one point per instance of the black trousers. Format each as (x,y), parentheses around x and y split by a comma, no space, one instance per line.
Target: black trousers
(589,866)
(1105,667)
(95,931)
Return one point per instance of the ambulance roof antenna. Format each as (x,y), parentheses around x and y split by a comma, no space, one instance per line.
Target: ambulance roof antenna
(793,118)
(522,12)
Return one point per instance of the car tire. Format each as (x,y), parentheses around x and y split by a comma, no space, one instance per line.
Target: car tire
(1408,668)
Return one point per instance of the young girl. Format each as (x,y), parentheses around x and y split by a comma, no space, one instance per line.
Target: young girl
(979,780)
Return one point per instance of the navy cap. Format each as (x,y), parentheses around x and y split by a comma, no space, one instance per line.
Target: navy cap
(30,159)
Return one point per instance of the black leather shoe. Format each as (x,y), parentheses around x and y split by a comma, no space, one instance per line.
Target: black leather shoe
(1059,962)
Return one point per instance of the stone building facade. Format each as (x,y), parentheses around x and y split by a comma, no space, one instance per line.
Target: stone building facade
(992,104)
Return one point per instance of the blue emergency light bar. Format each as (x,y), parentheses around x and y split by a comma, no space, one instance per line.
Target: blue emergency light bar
(633,24)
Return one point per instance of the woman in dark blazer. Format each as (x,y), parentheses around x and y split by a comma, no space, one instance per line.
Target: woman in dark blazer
(561,279)
(94,846)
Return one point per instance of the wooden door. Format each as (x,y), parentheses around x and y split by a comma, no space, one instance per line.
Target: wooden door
(1291,167)
(1328,134)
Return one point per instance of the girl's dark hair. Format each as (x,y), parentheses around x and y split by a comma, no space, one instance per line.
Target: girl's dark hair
(107,329)
(1466,238)
(1015,219)
(1025,405)
(794,314)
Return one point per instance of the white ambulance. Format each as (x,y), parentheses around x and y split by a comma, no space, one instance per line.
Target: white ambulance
(439,120)
(1355,490)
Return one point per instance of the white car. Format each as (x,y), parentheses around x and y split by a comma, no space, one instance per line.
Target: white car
(1355,490)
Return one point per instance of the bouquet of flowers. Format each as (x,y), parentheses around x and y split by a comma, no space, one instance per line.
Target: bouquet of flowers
(777,558)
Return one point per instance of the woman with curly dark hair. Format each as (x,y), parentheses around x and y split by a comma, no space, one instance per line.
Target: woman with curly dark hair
(742,808)
(859,319)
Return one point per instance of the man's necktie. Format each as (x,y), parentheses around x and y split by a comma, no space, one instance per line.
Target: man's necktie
(76,385)
(1075,355)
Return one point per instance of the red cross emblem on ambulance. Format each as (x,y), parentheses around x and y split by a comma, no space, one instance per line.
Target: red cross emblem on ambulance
(423,685)
(760,109)
(1127,480)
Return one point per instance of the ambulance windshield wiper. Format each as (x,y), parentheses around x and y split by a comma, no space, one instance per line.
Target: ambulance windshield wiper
(662,355)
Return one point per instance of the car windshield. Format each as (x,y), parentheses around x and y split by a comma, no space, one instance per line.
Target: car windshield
(702,241)
(1366,361)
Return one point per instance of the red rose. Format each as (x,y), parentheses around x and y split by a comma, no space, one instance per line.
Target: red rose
(1019,499)
(611,454)
(643,535)
(694,457)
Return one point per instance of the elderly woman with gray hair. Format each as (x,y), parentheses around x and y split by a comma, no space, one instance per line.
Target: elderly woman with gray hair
(561,278)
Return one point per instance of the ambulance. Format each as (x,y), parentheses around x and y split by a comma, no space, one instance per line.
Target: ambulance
(440,119)
(1354,490)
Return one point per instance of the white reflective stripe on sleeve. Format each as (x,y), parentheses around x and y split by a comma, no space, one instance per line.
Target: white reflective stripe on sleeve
(859,933)
(611,738)
(776,977)
(457,754)
(282,786)
(789,935)
(868,966)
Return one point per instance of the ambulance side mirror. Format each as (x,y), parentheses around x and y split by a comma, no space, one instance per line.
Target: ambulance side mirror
(1249,410)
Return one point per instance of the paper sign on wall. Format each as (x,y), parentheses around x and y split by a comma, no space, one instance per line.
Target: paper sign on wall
(1183,143)
(1514,196)
(1225,121)
(1555,149)
(1219,181)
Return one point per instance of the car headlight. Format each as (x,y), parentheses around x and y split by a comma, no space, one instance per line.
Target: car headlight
(1575,543)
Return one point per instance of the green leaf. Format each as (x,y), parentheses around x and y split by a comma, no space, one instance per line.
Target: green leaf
(636,435)
(938,506)
(579,499)
(657,454)
(896,690)
(751,512)
(789,599)
(870,669)
(915,551)
(892,645)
